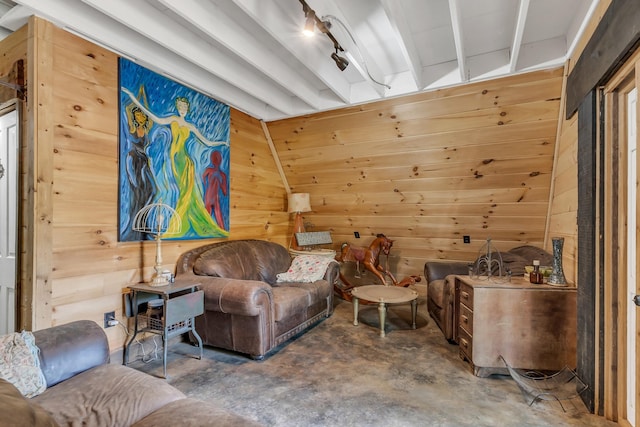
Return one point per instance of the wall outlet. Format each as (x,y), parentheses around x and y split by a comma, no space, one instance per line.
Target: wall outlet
(356,234)
(466,239)
(107,317)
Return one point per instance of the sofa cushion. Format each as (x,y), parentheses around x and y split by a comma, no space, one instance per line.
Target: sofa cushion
(193,413)
(18,411)
(107,395)
(289,301)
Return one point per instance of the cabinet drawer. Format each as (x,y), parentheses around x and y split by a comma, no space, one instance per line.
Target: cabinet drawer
(465,319)
(465,342)
(466,295)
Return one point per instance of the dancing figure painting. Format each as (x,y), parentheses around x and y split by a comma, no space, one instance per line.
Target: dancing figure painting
(174,149)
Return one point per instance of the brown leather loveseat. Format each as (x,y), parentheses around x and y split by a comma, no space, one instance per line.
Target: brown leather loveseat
(246,309)
(440,282)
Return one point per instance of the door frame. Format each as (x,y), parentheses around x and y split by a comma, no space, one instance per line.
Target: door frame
(5,108)
(615,191)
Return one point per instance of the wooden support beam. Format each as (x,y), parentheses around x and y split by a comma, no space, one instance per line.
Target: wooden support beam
(615,38)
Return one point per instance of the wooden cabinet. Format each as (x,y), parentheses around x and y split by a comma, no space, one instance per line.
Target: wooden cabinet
(531,326)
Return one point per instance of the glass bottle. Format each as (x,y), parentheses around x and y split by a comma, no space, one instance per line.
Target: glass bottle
(535,276)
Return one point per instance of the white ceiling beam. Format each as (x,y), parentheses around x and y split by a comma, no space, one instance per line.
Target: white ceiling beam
(16,17)
(155,25)
(270,17)
(456,23)
(518,32)
(220,27)
(93,25)
(395,13)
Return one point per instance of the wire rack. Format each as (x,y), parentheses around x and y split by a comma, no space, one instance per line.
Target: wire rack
(157,324)
(561,385)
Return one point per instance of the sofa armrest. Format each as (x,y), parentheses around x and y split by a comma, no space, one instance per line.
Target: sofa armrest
(69,349)
(332,273)
(234,296)
(436,270)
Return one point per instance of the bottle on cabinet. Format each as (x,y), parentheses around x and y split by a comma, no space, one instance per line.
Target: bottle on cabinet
(535,276)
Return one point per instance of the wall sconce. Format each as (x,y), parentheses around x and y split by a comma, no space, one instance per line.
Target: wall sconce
(298,203)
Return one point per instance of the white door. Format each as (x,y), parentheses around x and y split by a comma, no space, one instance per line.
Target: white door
(8,220)
(631,257)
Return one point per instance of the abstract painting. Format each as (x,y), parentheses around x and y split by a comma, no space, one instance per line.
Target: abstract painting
(173,149)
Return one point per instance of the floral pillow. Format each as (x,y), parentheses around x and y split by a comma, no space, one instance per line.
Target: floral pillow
(306,268)
(19,363)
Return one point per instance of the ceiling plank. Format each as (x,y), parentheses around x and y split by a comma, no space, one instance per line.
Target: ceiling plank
(402,33)
(93,25)
(164,31)
(518,32)
(220,27)
(456,23)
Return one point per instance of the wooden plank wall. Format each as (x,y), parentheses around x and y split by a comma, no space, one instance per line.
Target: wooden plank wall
(428,169)
(90,269)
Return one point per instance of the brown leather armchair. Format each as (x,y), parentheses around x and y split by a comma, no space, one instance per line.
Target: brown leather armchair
(441,286)
(246,309)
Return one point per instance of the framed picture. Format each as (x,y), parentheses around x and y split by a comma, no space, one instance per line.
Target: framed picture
(173,149)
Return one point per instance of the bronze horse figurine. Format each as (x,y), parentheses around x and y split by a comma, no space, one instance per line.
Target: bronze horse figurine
(370,256)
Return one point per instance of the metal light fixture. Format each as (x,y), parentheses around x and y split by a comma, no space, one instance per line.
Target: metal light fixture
(309,26)
(313,21)
(341,62)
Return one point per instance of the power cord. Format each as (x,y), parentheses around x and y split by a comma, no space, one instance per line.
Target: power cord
(145,358)
(331,18)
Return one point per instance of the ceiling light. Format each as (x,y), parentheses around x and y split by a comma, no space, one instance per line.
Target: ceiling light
(309,25)
(340,61)
(312,21)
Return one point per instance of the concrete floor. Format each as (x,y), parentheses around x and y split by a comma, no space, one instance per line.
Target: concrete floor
(337,374)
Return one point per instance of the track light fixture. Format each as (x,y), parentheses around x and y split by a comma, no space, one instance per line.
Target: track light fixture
(340,61)
(311,20)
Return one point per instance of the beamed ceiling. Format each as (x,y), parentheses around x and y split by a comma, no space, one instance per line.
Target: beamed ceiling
(251,54)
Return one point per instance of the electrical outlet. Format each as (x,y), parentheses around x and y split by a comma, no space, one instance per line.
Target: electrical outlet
(356,234)
(108,316)
(466,239)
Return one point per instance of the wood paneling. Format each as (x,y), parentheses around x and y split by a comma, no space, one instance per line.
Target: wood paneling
(82,269)
(427,169)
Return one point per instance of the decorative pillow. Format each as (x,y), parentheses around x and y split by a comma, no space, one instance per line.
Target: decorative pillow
(306,268)
(20,365)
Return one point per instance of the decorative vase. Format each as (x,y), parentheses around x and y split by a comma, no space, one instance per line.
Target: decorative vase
(557,274)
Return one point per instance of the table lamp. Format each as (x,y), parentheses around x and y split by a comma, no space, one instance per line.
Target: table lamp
(298,203)
(155,219)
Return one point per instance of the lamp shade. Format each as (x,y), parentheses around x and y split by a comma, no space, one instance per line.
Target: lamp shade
(299,202)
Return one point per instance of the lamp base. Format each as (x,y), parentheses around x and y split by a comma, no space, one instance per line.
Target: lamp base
(298,227)
(159,280)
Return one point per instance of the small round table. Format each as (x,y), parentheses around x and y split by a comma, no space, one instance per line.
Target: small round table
(384,295)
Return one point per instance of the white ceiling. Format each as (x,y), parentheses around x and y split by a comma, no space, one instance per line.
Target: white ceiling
(251,54)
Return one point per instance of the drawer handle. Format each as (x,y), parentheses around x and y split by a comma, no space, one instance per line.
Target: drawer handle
(465,295)
(464,343)
(465,319)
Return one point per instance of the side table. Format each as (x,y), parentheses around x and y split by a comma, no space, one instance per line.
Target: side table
(384,295)
(182,302)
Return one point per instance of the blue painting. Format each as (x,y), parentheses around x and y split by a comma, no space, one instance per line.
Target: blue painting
(174,149)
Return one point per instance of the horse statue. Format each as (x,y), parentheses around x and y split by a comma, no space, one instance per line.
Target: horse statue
(370,256)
